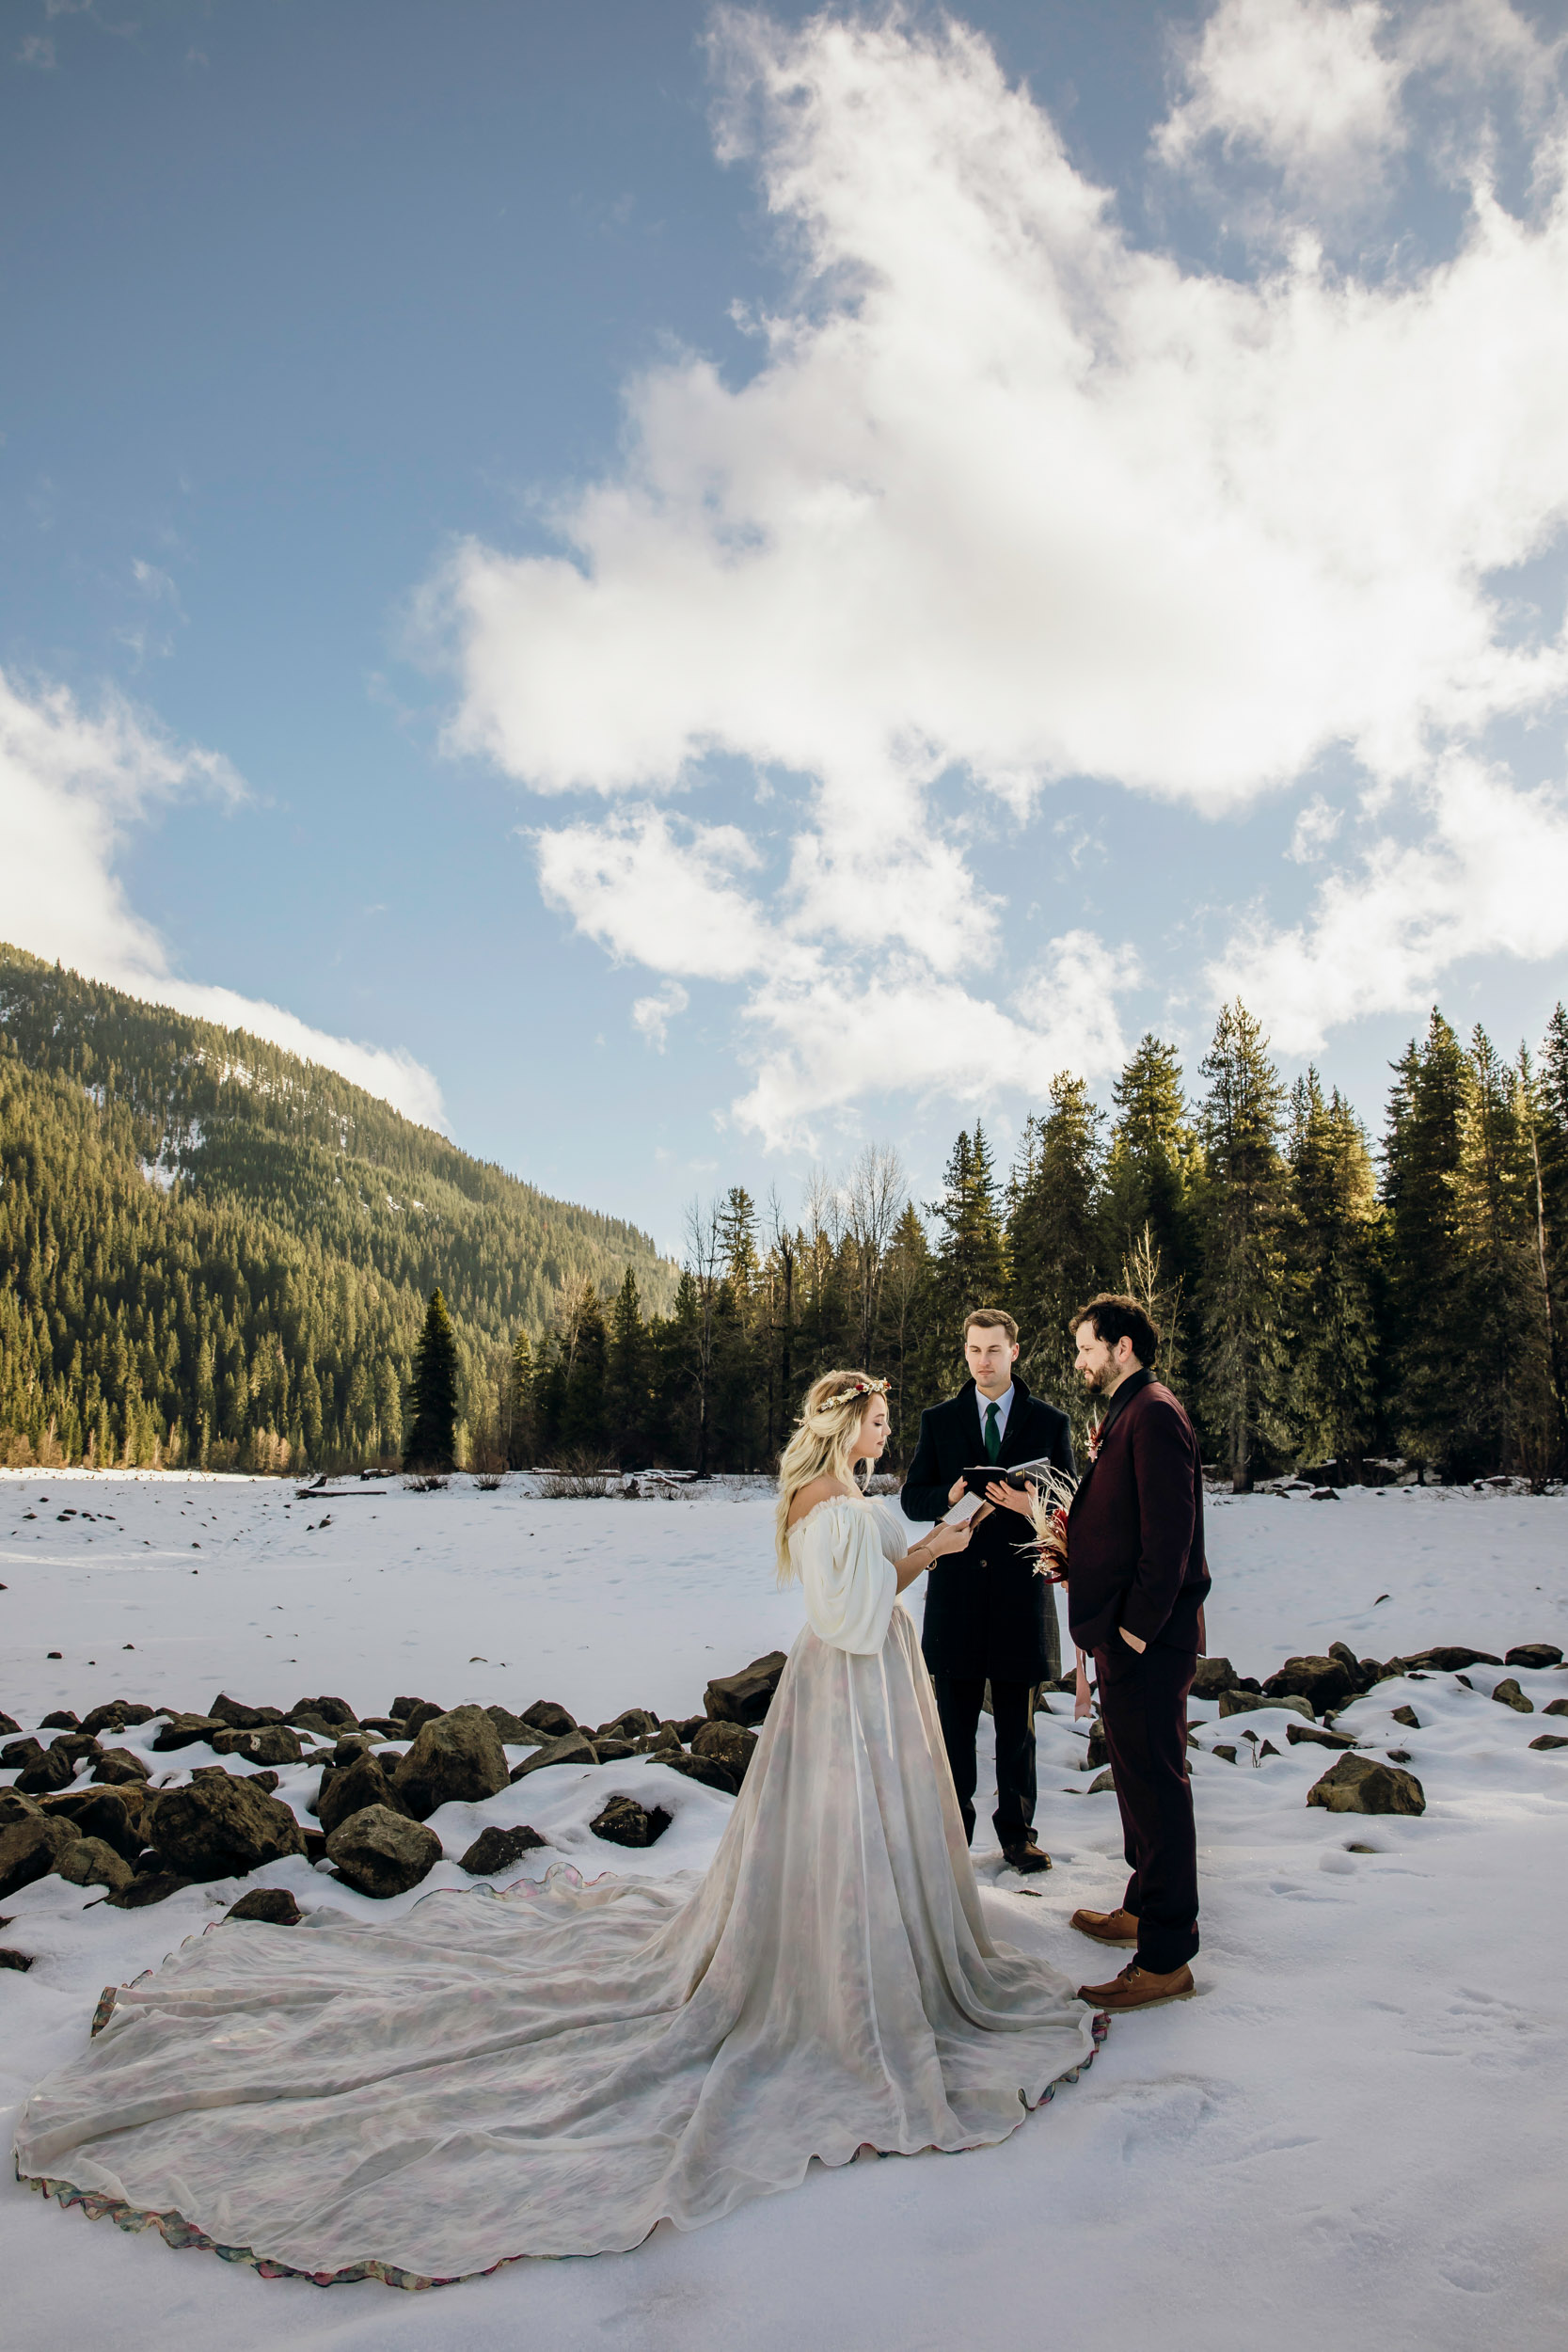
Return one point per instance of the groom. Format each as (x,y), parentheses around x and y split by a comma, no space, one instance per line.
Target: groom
(986,1609)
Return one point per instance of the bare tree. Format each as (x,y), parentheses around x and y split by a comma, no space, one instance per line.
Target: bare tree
(782,1242)
(873,1201)
(704,1251)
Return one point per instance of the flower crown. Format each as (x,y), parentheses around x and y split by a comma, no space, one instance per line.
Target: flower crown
(856,1388)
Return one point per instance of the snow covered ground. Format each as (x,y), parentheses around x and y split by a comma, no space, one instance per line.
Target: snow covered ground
(1355,2133)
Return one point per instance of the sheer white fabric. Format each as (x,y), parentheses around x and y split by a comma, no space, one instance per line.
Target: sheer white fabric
(844,1552)
(553,2070)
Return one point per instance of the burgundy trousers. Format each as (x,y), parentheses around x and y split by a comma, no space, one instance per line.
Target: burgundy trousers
(1142,1705)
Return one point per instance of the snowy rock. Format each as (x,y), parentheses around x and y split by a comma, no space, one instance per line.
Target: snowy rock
(729,1745)
(455,1760)
(706,1769)
(31,1849)
(61,1720)
(745,1697)
(514,1731)
(1361,1784)
(496,1848)
(571,1748)
(242,1718)
(1248,1702)
(1555,1706)
(632,1724)
(186,1731)
(335,1713)
(221,1827)
(413,1714)
(1103,1783)
(1452,1660)
(59,1765)
(1550,1740)
(269,1743)
(92,1863)
(274,1905)
(117,1715)
(1324,1682)
(382,1854)
(360,1784)
(102,1813)
(551,1720)
(1296,1733)
(1099,1752)
(1508,1693)
(146,1888)
(1408,1717)
(118,1766)
(14,1806)
(20,1756)
(1535,1655)
(625,1823)
(1214,1675)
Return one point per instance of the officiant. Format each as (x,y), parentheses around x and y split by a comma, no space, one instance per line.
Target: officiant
(988,1617)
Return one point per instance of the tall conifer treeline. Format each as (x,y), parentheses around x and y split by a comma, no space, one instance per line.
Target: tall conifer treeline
(1324,1302)
(1319,1308)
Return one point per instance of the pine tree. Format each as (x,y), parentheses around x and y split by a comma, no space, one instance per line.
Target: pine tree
(971,1256)
(1502,1303)
(628,1390)
(1151,1171)
(518,1427)
(583,1347)
(1543,1404)
(1242,1219)
(1334,1250)
(1431,1344)
(432,1440)
(906,1331)
(1056,1234)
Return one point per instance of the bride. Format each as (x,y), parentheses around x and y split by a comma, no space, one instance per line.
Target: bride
(554,2070)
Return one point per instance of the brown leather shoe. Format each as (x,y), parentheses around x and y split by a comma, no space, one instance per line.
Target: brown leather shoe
(1107,1927)
(1139,1988)
(1022,1854)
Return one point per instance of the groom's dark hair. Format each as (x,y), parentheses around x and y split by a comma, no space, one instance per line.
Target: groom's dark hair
(1115,1317)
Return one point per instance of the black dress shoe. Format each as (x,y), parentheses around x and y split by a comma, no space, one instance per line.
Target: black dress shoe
(1024,1854)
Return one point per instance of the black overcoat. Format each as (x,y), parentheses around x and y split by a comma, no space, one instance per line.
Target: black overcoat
(984,1607)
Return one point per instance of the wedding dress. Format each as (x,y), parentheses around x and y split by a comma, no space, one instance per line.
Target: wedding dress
(553,2070)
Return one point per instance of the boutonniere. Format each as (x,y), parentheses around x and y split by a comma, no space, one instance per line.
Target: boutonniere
(1097,1431)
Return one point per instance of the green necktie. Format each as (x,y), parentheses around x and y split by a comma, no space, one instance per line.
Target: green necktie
(994,1435)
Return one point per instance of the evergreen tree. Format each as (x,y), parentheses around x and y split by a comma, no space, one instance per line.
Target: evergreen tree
(432,1441)
(1334,1282)
(517,1424)
(1243,1213)
(1151,1169)
(1056,1234)
(630,1371)
(583,1348)
(1432,1351)
(971,1256)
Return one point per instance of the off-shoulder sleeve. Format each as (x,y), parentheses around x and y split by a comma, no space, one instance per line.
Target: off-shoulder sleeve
(892,1528)
(848,1582)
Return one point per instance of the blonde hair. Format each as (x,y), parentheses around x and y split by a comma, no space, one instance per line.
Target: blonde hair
(820,1445)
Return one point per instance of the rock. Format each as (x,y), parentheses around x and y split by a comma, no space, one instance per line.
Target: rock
(633,1722)
(119,1767)
(1508,1693)
(1324,1682)
(707,1769)
(347,1792)
(63,1720)
(117,1715)
(1296,1733)
(222,1827)
(382,1854)
(14,1806)
(688,1727)
(1249,1701)
(1323,1494)
(511,1730)
(1408,1717)
(615,1751)
(666,1740)
(1451,1660)
(7,1723)
(271,1743)
(1534,1655)
(1223,1748)
(184,1731)
(624,1822)
(415,1713)
(273,1905)
(553,1721)
(242,1718)
(1214,1675)
(1102,1782)
(335,1712)
(156,1886)
(1361,1784)
(728,1744)
(386,1726)
(351,1745)
(305,1719)
(496,1848)
(14,1959)
(103,1813)
(92,1863)
(59,1763)
(457,1759)
(1550,1740)
(18,1754)
(1268,1748)
(1555,1706)
(571,1748)
(745,1697)
(31,1849)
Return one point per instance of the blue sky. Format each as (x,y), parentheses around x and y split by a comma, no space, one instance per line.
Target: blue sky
(704,589)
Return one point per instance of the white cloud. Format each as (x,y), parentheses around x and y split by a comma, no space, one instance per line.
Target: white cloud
(652,1015)
(1316,826)
(1489,873)
(1009,500)
(73,784)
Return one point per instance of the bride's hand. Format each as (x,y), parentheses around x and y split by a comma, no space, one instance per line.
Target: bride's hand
(944,1539)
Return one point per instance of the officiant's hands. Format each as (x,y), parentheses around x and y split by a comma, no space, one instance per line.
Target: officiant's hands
(1009,1498)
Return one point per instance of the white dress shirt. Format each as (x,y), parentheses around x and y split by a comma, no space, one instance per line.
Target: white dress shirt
(1003,1404)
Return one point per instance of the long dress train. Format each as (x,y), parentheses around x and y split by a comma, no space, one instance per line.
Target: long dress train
(553,2070)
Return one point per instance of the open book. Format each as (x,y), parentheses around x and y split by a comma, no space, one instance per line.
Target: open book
(984,1474)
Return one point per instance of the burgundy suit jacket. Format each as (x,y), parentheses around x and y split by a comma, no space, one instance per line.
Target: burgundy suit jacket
(1135,1528)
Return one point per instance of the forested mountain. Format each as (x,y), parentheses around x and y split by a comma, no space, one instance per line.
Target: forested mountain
(213,1248)
(1323,1301)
